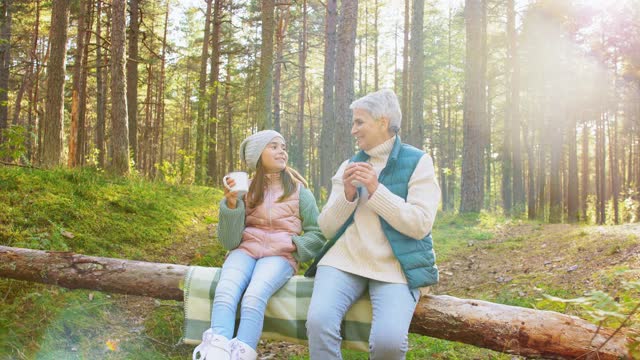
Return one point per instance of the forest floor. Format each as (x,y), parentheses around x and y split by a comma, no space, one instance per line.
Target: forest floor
(483,256)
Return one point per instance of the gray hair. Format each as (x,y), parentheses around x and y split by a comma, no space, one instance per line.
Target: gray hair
(382,103)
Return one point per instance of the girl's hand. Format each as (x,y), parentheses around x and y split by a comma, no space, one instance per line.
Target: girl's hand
(231,196)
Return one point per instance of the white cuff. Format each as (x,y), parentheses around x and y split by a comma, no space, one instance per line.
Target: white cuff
(385,203)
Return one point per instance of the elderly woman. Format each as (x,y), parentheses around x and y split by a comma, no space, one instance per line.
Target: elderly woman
(379,216)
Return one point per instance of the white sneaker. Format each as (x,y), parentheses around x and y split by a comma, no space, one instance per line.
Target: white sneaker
(242,351)
(213,347)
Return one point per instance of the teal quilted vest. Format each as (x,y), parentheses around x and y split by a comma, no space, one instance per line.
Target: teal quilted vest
(416,257)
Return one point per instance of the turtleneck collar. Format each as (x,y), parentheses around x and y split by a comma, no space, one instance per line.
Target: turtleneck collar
(383,150)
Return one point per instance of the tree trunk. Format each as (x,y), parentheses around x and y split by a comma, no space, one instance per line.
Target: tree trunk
(265,88)
(515,330)
(555,173)
(327,152)
(637,152)
(132,77)
(601,183)
(76,97)
(148,127)
(54,114)
(514,111)
(443,159)
(282,18)
(509,329)
(376,35)
(542,173)
(202,96)
(613,165)
(24,84)
(212,151)
(484,89)
(572,183)
(344,78)
(314,163)
(229,104)
(119,117)
(472,196)
(406,101)
(507,146)
(584,184)
(531,189)
(160,106)
(81,152)
(299,162)
(451,124)
(5,63)
(417,78)
(185,139)
(33,83)
(507,168)
(491,202)
(101,90)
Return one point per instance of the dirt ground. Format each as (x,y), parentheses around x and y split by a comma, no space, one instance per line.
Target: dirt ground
(525,256)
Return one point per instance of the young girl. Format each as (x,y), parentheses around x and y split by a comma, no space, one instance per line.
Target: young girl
(272,228)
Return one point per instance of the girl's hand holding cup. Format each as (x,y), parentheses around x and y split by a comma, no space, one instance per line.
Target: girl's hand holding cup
(232,196)
(235,184)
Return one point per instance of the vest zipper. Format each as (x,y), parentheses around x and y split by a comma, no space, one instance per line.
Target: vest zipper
(269,209)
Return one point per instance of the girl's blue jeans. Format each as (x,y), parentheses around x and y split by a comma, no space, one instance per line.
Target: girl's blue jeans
(261,278)
(334,291)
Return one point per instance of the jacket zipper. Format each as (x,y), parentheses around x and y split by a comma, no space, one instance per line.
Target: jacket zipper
(270,205)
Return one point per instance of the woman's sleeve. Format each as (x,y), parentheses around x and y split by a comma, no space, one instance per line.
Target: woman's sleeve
(311,241)
(415,216)
(231,224)
(338,209)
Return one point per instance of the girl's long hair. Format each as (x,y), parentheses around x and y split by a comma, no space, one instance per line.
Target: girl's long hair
(289,178)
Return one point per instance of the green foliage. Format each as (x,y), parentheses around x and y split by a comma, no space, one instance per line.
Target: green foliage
(621,310)
(91,160)
(630,207)
(13,144)
(181,172)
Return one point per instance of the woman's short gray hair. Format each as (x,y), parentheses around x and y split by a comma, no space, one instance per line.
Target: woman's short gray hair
(382,103)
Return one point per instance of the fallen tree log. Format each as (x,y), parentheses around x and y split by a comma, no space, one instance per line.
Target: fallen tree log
(509,329)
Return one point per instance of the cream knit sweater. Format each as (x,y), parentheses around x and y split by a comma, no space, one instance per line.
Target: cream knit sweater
(363,249)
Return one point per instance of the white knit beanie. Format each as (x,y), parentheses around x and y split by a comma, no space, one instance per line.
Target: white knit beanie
(251,148)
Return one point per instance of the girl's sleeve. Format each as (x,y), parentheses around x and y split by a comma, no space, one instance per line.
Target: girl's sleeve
(231,224)
(311,241)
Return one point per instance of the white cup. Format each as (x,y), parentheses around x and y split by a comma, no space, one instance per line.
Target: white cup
(242,182)
(357,183)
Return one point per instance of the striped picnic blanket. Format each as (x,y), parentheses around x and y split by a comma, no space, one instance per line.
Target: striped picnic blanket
(285,316)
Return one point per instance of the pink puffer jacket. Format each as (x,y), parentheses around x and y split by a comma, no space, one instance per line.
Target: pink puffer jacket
(270,226)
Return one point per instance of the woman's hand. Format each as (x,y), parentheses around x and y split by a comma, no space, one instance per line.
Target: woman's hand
(350,188)
(232,196)
(361,174)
